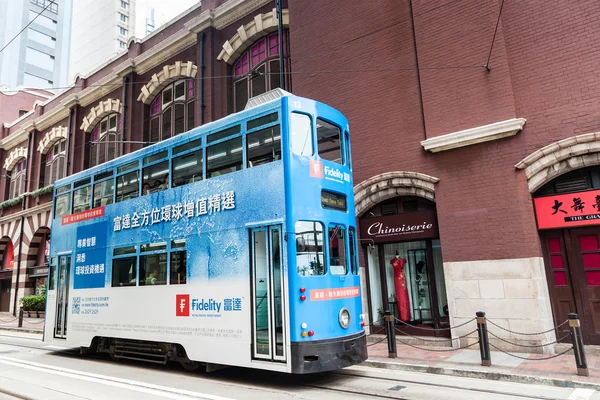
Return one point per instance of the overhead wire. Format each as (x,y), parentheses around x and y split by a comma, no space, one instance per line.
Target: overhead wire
(50,2)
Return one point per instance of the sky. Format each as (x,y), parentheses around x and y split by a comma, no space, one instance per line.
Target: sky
(164,11)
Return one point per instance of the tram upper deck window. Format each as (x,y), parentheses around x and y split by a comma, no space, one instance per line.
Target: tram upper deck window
(301,134)
(103,191)
(263,146)
(128,186)
(329,139)
(224,158)
(156,178)
(81,199)
(61,205)
(337,250)
(187,168)
(310,259)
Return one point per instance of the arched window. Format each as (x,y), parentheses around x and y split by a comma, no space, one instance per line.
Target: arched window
(172,111)
(105,138)
(257,70)
(55,163)
(17,179)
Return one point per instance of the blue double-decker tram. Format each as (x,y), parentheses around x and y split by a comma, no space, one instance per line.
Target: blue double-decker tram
(232,244)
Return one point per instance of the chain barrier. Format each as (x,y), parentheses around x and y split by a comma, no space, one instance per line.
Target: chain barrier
(435,329)
(8,322)
(377,342)
(527,334)
(529,345)
(437,350)
(532,359)
(436,340)
(34,323)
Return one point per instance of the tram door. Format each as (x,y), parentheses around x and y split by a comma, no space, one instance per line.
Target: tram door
(62,297)
(268,328)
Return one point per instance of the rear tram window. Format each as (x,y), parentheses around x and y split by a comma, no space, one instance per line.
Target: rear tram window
(329,141)
(128,186)
(156,178)
(103,193)
(224,158)
(61,206)
(309,248)
(353,255)
(124,271)
(187,168)
(263,146)
(81,199)
(337,250)
(301,134)
(153,269)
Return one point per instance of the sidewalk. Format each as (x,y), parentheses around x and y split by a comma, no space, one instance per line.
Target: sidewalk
(560,371)
(30,325)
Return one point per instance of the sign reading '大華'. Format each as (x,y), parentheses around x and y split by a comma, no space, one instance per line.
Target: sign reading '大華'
(568,210)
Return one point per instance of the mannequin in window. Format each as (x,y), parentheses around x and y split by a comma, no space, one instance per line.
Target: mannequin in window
(401,289)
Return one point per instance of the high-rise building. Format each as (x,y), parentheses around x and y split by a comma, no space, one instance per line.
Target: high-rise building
(101,29)
(37,56)
(150,21)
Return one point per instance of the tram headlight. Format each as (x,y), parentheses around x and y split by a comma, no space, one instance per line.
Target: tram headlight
(344,318)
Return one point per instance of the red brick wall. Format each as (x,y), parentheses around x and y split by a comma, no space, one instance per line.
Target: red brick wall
(543,68)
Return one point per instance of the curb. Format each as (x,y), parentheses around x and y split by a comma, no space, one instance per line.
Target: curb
(495,376)
(24,330)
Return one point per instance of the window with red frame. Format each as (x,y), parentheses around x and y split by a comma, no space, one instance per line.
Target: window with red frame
(172,111)
(256,71)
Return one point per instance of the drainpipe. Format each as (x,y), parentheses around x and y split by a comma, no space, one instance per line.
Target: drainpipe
(71,125)
(124,122)
(202,72)
(280,35)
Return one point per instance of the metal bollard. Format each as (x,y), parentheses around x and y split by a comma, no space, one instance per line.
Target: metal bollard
(484,342)
(20,317)
(391,334)
(578,349)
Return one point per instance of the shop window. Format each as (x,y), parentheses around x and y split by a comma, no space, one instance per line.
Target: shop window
(337,250)
(257,71)
(557,261)
(54,164)
(310,259)
(574,181)
(301,134)
(105,140)
(172,111)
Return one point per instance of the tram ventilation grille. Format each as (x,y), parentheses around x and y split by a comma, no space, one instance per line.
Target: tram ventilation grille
(266,97)
(141,351)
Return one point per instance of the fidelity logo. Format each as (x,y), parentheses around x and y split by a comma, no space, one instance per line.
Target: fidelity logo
(182,301)
(184,304)
(316,169)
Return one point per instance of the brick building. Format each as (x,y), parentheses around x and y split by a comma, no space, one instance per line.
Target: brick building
(452,159)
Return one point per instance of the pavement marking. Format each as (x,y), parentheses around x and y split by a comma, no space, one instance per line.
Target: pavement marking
(164,391)
(582,394)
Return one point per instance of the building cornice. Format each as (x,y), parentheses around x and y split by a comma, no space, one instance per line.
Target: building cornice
(480,134)
(164,50)
(30,211)
(234,10)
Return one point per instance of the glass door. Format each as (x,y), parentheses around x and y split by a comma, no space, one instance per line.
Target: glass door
(62,297)
(267,294)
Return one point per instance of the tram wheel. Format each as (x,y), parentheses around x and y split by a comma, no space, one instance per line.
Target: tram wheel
(190,365)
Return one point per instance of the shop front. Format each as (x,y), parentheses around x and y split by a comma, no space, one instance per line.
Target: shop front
(404,269)
(569,225)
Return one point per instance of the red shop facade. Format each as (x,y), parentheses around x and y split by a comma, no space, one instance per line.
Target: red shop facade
(404,270)
(568,218)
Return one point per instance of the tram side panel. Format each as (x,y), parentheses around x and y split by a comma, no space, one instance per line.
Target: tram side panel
(210,315)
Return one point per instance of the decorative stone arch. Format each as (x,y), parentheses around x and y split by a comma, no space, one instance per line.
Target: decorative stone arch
(169,74)
(9,232)
(14,157)
(392,184)
(35,225)
(560,157)
(96,114)
(54,135)
(246,35)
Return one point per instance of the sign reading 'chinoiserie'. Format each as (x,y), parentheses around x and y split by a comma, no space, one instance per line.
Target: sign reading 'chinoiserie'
(410,226)
(568,210)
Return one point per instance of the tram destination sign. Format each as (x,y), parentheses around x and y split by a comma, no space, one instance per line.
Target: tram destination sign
(400,227)
(568,210)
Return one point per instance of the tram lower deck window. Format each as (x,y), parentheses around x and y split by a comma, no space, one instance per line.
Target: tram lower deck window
(124,271)
(153,269)
(310,259)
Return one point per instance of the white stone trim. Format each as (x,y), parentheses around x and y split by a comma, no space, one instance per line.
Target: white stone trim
(485,133)
(54,135)
(560,157)
(249,33)
(168,74)
(385,186)
(103,108)
(15,156)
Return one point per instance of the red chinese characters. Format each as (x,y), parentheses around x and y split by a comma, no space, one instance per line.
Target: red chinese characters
(568,210)
(82,216)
